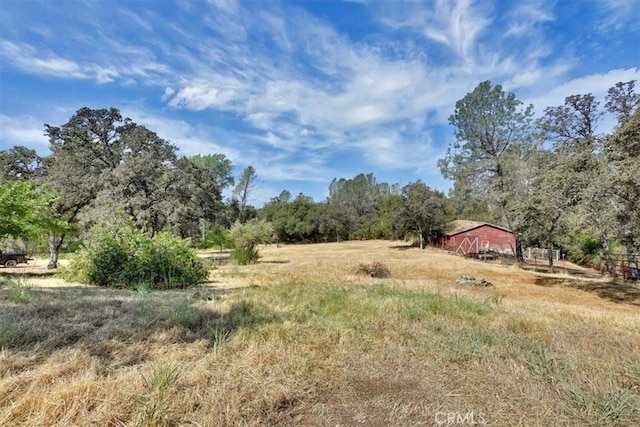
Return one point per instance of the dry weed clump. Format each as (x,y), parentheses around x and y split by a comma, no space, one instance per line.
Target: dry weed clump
(376,269)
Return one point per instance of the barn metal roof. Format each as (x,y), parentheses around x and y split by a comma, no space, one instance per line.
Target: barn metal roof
(461,225)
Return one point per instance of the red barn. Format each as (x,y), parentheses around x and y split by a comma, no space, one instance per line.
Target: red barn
(473,237)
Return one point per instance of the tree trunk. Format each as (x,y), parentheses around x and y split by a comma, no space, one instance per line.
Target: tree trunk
(632,260)
(421,238)
(55,245)
(550,258)
(605,262)
(519,252)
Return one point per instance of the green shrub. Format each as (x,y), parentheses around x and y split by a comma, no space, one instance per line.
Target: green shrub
(245,255)
(246,238)
(122,257)
(217,238)
(585,249)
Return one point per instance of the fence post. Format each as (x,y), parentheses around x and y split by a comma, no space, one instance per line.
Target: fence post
(632,260)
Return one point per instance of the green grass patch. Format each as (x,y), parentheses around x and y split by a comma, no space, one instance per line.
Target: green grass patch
(4,281)
(154,401)
(21,293)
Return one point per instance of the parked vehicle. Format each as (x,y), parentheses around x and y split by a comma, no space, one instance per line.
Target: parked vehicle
(11,260)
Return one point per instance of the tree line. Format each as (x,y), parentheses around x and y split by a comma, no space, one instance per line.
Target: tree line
(555,180)
(359,208)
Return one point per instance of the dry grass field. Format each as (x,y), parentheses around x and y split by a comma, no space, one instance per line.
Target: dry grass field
(301,339)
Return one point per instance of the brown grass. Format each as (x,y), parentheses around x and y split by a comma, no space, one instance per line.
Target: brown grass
(314,343)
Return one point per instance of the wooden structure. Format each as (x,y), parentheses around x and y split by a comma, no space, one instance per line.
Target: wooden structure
(470,237)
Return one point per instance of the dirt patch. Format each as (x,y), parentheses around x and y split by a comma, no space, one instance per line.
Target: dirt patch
(35,267)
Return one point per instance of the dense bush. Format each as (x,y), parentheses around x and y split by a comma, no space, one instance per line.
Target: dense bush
(125,258)
(246,237)
(216,238)
(585,249)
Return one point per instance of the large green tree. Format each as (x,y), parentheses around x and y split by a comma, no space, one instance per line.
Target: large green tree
(425,211)
(493,138)
(83,153)
(335,221)
(296,221)
(358,198)
(572,130)
(547,205)
(622,154)
(105,167)
(623,101)
(390,222)
(621,151)
(599,171)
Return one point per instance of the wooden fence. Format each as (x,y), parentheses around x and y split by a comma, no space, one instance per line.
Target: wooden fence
(540,253)
(622,266)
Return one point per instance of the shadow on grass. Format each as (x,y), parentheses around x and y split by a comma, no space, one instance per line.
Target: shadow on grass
(105,322)
(616,292)
(560,269)
(21,271)
(217,260)
(405,247)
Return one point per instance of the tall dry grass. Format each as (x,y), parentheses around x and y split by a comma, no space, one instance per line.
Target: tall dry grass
(314,343)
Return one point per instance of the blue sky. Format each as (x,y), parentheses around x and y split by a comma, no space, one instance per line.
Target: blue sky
(304,91)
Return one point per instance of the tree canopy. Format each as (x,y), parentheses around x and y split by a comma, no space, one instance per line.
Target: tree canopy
(219,166)
(25,209)
(19,163)
(108,168)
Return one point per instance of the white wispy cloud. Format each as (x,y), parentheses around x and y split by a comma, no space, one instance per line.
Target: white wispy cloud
(343,87)
(457,24)
(23,130)
(25,57)
(230,6)
(616,13)
(103,68)
(597,84)
(348,87)
(524,19)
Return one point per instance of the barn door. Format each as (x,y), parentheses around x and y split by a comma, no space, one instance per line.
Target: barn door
(468,246)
